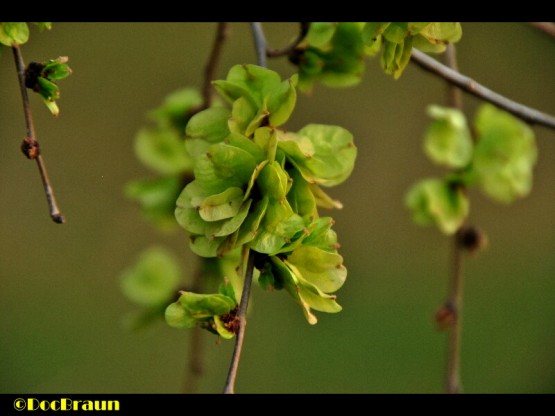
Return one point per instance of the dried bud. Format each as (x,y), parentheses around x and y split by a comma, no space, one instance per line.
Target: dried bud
(231,321)
(472,239)
(445,317)
(30,148)
(32,73)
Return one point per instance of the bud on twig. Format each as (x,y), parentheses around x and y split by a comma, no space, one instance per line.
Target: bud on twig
(472,239)
(30,148)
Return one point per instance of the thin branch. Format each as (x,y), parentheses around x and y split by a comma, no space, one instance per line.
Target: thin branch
(274,53)
(260,45)
(454,96)
(530,115)
(259,42)
(242,317)
(454,304)
(546,27)
(453,378)
(30,145)
(222,33)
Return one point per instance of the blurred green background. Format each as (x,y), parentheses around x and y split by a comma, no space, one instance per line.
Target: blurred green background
(61,308)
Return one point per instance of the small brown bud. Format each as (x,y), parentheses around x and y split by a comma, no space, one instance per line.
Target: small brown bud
(472,239)
(30,148)
(445,316)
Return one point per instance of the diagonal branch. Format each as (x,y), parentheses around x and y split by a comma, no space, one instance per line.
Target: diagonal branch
(210,69)
(546,27)
(528,114)
(30,145)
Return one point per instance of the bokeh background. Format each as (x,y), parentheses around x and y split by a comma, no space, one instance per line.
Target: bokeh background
(61,308)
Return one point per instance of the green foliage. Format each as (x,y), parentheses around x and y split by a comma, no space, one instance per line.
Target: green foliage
(14,33)
(500,162)
(214,312)
(43,25)
(398,39)
(157,198)
(161,148)
(447,140)
(437,201)
(333,53)
(258,186)
(311,272)
(42,77)
(323,154)
(505,155)
(17,33)
(150,284)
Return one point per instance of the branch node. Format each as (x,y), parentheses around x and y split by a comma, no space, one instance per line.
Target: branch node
(471,239)
(242,323)
(290,49)
(445,316)
(30,148)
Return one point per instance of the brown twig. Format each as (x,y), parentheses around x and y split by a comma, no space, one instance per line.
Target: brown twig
(528,114)
(453,379)
(242,317)
(454,96)
(274,53)
(546,27)
(30,145)
(222,33)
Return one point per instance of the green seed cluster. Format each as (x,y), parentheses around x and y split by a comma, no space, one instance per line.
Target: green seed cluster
(333,53)
(499,160)
(258,186)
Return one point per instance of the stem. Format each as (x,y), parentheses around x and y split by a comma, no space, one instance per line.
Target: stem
(259,42)
(242,317)
(546,27)
(31,139)
(454,95)
(453,379)
(229,388)
(222,33)
(528,114)
(274,53)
